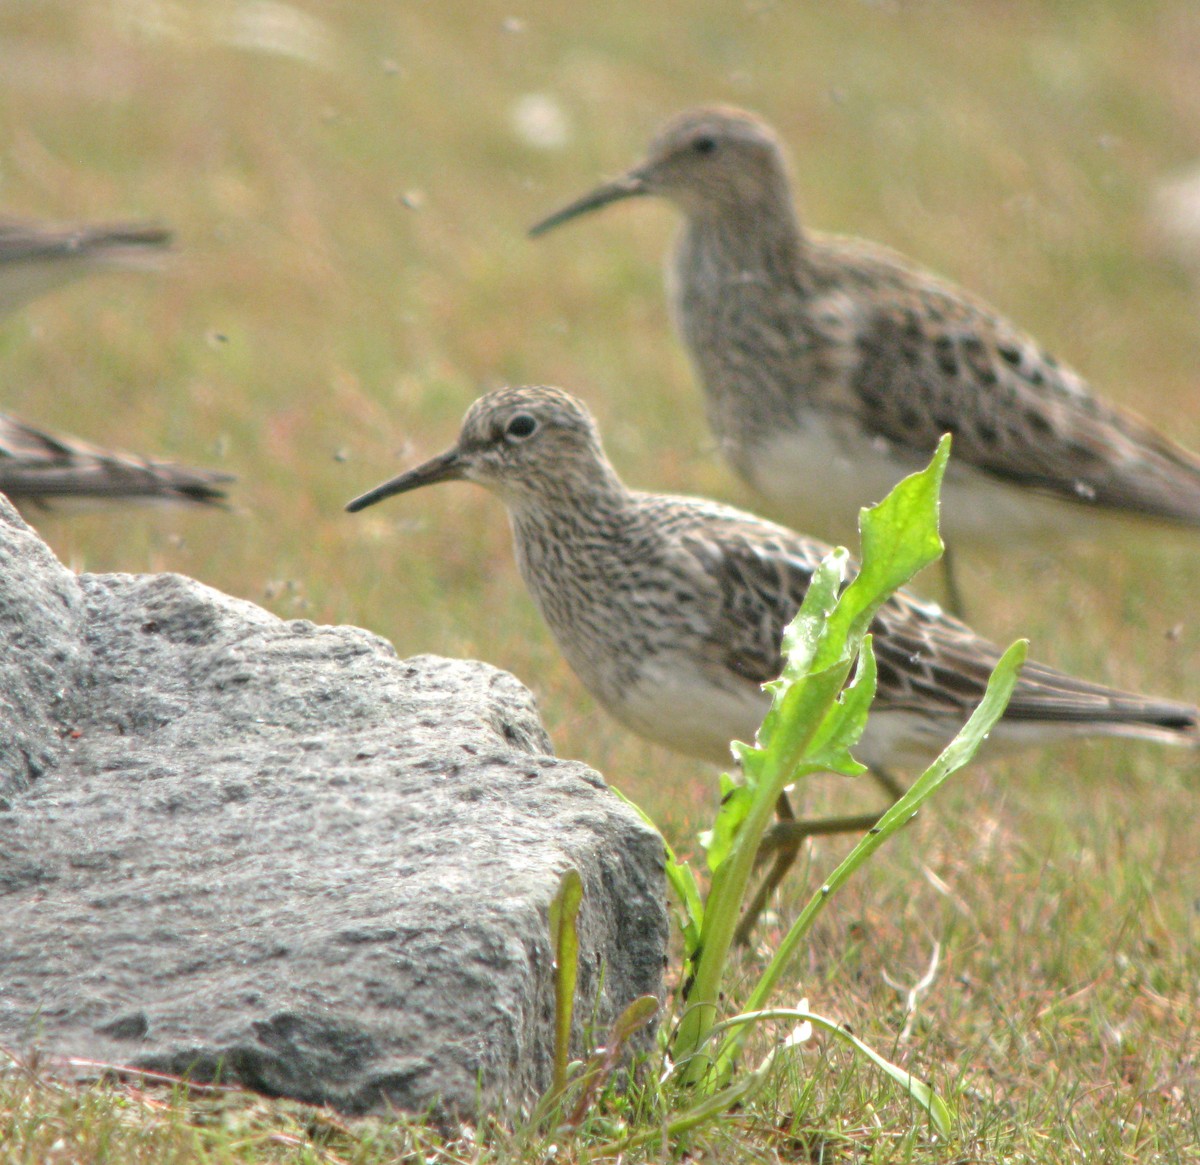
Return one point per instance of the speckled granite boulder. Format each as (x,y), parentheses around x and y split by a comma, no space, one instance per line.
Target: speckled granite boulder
(231,843)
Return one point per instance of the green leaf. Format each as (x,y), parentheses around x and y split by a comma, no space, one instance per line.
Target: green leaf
(899,539)
(842,728)
(735,807)
(564,936)
(953,757)
(804,635)
(635,1017)
(683,882)
(739,1092)
(919,1090)
(604,1061)
(800,709)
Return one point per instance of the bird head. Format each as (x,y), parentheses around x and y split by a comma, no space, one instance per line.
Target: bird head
(521,443)
(710,160)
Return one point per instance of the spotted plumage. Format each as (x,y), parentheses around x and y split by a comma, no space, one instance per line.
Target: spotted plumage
(831,366)
(671,610)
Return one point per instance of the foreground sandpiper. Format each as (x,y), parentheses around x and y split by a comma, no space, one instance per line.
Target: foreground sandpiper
(831,366)
(671,610)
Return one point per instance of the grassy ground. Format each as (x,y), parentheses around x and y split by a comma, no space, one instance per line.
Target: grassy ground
(350,186)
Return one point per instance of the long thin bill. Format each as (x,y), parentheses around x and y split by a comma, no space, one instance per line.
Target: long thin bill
(445,467)
(627,186)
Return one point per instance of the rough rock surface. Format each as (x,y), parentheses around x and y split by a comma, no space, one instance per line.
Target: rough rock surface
(231,842)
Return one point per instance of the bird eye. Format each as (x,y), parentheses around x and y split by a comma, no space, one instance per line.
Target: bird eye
(704,145)
(521,426)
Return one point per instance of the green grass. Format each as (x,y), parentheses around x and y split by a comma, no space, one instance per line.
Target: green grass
(1012,147)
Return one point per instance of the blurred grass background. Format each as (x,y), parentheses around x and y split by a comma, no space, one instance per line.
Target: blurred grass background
(350,185)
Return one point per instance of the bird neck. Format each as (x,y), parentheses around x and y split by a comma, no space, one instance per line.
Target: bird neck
(573,502)
(572,548)
(759,235)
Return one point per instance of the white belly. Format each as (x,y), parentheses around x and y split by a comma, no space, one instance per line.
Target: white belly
(676,707)
(820,476)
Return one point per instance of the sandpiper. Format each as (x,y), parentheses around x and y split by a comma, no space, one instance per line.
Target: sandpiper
(831,366)
(36,257)
(37,468)
(671,610)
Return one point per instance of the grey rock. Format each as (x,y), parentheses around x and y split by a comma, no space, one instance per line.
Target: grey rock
(41,653)
(274,852)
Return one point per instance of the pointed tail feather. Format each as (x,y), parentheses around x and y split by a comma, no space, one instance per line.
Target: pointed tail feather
(36,258)
(23,241)
(39,466)
(1049,697)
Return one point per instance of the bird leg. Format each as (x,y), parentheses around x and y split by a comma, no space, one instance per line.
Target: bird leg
(888,784)
(785,838)
(954,597)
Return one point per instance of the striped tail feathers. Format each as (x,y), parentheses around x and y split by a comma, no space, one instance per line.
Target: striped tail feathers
(39,467)
(1049,697)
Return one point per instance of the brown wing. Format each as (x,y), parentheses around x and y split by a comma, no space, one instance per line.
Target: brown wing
(928,661)
(931,360)
(759,583)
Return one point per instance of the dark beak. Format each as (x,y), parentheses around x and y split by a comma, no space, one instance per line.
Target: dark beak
(627,186)
(446,466)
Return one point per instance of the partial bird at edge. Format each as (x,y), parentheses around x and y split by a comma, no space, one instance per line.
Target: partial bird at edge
(39,468)
(37,257)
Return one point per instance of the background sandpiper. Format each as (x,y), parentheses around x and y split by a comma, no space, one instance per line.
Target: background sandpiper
(831,366)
